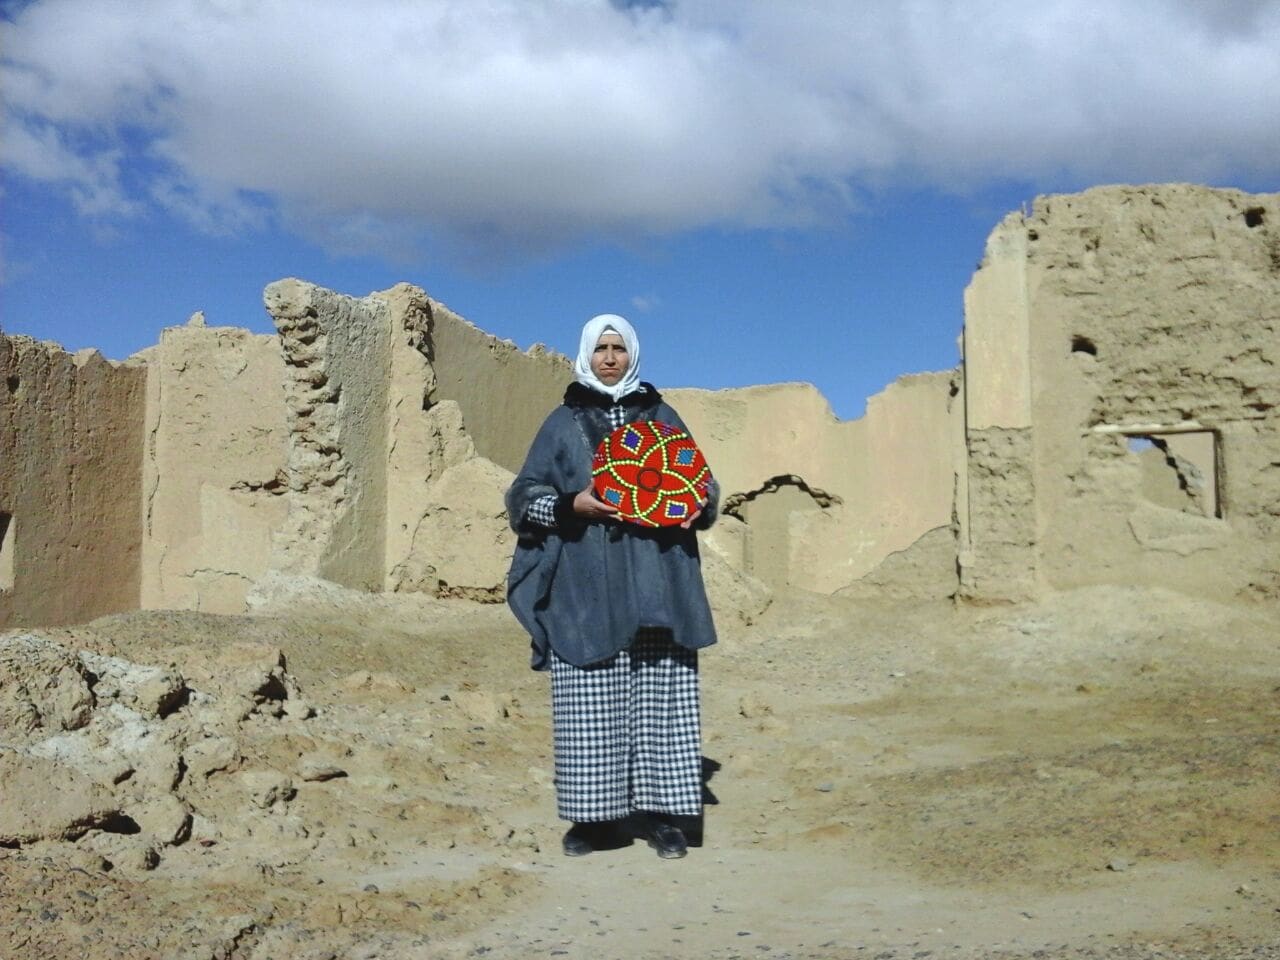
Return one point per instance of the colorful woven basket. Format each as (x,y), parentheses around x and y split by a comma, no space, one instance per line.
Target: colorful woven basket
(652,472)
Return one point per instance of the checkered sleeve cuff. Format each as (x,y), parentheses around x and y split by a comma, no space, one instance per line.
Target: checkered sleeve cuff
(542,512)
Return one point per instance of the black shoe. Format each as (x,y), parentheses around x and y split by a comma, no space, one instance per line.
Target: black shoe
(584,838)
(667,840)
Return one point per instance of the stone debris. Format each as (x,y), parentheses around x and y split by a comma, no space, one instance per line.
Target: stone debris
(119,757)
(319,769)
(266,788)
(211,755)
(150,691)
(384,684)
(481,706)
(42,799)
(403,824)
(44,689)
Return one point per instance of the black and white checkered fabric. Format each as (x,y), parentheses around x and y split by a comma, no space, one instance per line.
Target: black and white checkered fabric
(617,415)
(542,511)
(627,732)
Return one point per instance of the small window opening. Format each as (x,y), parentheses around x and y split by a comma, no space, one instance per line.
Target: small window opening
(6,551)
(1081,344)
(1253,217)
(1179,470)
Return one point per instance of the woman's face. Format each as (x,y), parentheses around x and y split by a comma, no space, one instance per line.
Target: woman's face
(610,360)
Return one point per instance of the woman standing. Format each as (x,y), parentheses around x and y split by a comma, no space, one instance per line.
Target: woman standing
(616,612)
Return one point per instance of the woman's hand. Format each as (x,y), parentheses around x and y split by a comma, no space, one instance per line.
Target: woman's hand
(589,507)
(692,517)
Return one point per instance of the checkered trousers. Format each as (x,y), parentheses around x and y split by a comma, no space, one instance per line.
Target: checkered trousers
(627,733)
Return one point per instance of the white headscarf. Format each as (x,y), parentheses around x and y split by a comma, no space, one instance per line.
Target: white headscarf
(591,333)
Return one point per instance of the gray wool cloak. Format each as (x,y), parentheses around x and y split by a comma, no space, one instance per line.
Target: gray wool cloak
(583,589)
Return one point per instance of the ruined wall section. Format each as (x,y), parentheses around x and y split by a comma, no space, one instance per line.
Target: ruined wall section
(504,393)
(996,494)
(1000,560)
(337,353)
(410,449)
(892,473)
(1156,310)
(447,530)
(458,543)
(753,434)
(70,482)
(926,570)
(214,465)
(915,451)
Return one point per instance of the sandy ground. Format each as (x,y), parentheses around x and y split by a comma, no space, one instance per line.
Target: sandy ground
(1092,776)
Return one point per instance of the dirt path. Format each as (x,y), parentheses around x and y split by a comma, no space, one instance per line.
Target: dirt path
(1094,776)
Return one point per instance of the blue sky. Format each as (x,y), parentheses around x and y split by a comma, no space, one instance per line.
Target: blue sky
(769,191)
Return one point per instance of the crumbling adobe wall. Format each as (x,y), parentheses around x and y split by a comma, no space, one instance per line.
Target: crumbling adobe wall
(884,480)
(1157,306)
(447,530)
(213,467)
(70,476)
(370,443)
(337,352)
(1147,311)
(892,473)
(996,492)
(386,490)
(504,393)
(924,571)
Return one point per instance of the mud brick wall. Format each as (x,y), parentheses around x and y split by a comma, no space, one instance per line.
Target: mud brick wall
(70,483)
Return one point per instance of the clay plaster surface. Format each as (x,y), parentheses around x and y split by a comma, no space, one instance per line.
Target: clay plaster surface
(70,476)
(891,473)
(410,442)
(337,352)
(459,542)
(214,466)
(504,393)
(997,333)
(387,490)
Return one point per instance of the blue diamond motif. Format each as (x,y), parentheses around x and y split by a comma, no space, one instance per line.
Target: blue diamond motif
(684,457)
(613,496)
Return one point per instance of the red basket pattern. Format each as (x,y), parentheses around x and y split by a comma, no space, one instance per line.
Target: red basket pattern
(652,472)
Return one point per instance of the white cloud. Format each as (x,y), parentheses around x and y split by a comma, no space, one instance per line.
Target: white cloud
(536,121)
(39,151)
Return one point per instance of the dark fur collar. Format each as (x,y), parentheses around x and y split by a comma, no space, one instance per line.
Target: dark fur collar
(576,395)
